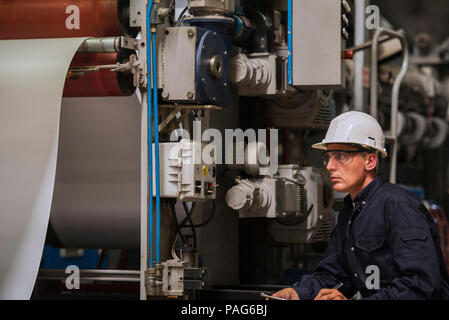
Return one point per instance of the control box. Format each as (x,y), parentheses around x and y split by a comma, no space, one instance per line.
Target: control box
(183,173)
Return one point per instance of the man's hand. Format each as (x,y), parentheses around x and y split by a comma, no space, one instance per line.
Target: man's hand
(330,294)
(287,293)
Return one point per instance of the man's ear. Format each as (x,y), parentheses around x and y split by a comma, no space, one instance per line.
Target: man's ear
(371,162)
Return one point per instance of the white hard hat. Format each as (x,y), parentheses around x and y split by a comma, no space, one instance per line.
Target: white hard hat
(355,127)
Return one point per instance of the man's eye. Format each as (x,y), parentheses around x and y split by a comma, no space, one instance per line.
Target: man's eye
(339,156)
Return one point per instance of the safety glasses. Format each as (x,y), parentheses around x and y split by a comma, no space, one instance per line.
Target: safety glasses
(341,157)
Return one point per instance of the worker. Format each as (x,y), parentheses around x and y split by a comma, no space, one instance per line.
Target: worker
(385,244)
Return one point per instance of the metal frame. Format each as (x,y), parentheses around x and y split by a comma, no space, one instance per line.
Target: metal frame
(395,92)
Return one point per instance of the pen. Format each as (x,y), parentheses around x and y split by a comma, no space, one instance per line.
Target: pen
(338,285)
(270,297)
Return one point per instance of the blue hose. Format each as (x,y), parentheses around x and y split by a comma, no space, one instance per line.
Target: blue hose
(156,149)
(290,41)
(150,140)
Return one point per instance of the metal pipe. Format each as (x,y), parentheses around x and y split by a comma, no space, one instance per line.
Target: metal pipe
(100,45)
(368,44)
(395,92)
(144,183)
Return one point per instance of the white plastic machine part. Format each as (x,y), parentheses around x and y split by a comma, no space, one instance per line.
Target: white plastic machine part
(274,198)
(255,74)
(183,173)
(252,198)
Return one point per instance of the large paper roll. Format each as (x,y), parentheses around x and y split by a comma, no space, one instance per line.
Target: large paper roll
(96,202)
(31,82)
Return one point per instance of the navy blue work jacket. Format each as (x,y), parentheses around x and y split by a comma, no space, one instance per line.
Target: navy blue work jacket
(388,228)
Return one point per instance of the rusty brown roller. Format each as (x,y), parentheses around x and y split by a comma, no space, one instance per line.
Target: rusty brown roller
(35,19)
(101,83)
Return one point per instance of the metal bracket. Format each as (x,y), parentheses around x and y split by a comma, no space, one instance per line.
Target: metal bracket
(137,69)
(136,12)
(129,43)
(282,82)
(173,277)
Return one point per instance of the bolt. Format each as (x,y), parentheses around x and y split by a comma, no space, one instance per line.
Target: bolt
(190,33)
(225,84)
(190,95)
(165,94)
(203,284)
(345,33)
(345,20)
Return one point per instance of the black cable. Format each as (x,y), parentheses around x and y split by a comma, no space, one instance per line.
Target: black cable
(189,216)
(182,224)
(202,224)
(177,231)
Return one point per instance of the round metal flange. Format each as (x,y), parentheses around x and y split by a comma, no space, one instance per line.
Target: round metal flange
(212,68)
(216,66)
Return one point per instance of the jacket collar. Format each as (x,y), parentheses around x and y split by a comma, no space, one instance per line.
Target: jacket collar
(366,193)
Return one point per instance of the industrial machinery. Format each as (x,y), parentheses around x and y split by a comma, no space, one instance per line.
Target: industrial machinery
(186,126)
(187,60)
(298,201)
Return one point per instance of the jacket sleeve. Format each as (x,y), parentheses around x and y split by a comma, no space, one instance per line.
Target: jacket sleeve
(329,271)
(414,253)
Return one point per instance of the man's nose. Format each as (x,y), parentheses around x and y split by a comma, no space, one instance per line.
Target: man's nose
(330,166)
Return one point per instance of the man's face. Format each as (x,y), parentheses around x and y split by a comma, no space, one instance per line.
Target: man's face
(347,169)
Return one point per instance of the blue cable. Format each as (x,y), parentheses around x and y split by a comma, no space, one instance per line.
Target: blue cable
(290,41)
(150,139)
(156,149)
